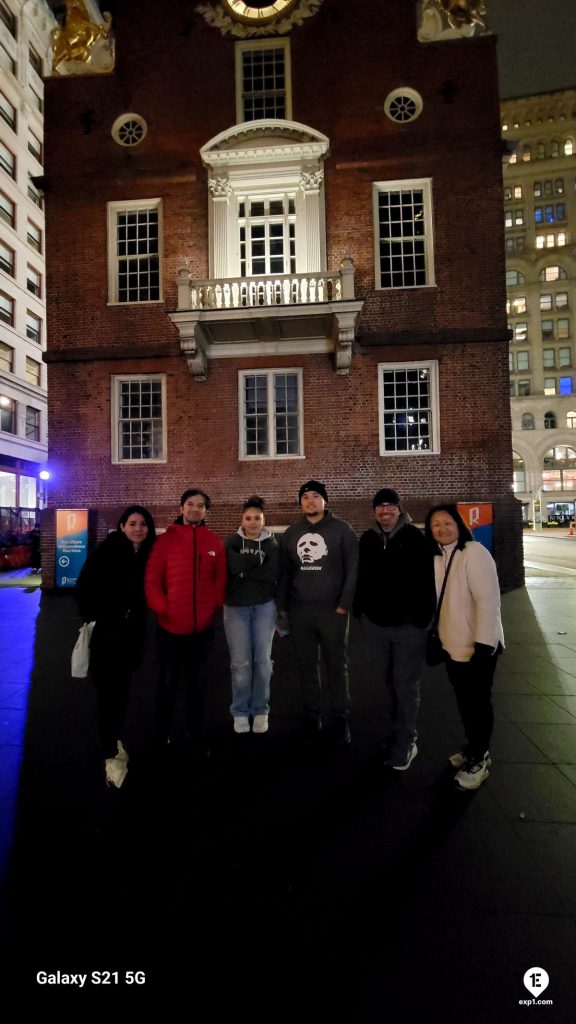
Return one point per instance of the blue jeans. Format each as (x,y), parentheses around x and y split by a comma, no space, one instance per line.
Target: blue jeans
(249,631)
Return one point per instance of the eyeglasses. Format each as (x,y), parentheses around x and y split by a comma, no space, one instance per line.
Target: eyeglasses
(386,506)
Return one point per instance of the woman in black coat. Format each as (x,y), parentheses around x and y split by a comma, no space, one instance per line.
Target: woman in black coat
(110,592)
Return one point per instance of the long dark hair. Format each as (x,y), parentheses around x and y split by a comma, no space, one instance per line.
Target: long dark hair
(141,511)
(464,532)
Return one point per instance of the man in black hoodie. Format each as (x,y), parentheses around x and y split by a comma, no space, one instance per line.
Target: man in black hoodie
(396,597)
(320,558)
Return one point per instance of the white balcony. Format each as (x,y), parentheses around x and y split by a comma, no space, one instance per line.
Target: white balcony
(285,314)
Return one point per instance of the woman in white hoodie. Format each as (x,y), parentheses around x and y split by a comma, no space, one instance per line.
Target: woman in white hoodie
(253,560)
(470,630)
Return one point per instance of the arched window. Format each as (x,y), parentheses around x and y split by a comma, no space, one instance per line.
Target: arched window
(527,421)
(540,151)
(571,420)
(518,473)
(559,469)
(549,420)
(553,273)
(554,148)
(568,147)
(526,153)
(514,277)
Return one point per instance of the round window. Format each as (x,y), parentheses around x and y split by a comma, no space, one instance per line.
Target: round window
(129,129)
(403,105)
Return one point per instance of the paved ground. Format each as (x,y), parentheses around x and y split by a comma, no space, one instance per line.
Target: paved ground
(277,876)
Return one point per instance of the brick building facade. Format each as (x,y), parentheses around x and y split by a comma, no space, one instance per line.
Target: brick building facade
(275,252)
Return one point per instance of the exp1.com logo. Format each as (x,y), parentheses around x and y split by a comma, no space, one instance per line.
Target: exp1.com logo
(536,981)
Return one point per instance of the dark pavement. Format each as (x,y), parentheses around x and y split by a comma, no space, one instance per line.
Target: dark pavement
(279,877)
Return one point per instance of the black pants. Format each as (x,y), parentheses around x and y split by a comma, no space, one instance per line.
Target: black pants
(472,682)
(316,629)
(112,684)
(181,656)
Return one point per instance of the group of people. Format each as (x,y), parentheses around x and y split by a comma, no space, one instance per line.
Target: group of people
(397,580)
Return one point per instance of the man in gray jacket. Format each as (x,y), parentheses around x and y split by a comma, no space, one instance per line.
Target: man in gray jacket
(320,561)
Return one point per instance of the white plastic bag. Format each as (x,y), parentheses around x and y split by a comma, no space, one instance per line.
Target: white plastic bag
(81,652)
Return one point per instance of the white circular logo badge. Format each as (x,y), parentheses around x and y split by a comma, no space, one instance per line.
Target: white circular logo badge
(536,980)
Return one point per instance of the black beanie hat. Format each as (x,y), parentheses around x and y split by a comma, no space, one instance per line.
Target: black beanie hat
(313,485)
(386,496)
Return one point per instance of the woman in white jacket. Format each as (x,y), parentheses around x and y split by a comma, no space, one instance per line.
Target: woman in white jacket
(470,629)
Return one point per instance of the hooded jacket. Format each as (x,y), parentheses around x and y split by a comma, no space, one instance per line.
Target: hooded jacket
(320,563)
(396,576)
(186,578)
(253,568)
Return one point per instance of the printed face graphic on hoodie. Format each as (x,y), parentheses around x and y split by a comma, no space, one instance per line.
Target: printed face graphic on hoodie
(311,548)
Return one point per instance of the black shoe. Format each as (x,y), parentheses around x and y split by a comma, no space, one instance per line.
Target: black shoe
(198,750)
(340,731)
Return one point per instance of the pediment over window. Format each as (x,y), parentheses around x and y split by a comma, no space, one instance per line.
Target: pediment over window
(272,140)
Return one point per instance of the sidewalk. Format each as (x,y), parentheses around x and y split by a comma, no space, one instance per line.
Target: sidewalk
(275,874)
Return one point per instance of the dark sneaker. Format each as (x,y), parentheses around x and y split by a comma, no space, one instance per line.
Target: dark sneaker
(402,757)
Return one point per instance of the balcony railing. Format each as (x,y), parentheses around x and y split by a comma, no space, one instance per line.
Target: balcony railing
(266,292)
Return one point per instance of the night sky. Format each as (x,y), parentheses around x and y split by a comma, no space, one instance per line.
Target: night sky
(536,44)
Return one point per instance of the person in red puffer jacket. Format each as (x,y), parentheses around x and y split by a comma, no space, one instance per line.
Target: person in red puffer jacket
(185,585)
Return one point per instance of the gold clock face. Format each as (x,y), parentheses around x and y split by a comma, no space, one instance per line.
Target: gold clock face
(258,12)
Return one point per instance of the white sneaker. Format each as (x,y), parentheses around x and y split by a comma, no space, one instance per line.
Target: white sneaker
(459,759)
(472,776)
(122,754)
(260,723)
(241,724)
(116,771)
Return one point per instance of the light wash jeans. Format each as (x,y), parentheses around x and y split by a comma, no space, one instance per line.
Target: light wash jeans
(249,631)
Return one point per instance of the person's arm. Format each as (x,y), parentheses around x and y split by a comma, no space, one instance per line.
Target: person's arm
(221,574)
(285,575)
(86,590)
(154,585)
(350,563)
(482,578)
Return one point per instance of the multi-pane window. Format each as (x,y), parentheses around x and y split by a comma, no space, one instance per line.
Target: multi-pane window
(134,248)
(8,112)
(564,357)
(34,146)
(550,420)
(408,401)
(549,385)
(267,236)
(6,357)
(550,214)
(139,418)
(528,421)
(561,300)
(559,469)
(34,194)
(562,328)
(520,331)
(522,362)
(8,18)
(553,273)
(513,218)
(547,329)
(32,423)
(551,240)
(34,281)
(571,419)
(524,388)
(7,259)
(545,302)
(37,101)
(7,160)
(33,371)
(565,387)
(403,220)
(7,63)
(7,210)
(34,236)
(516,305)
(514,277)
(7,414)
(519,477)
(33,327)
(515,244)
(35,60)
(270,404)
(6,309)
(263,80)
(548,358)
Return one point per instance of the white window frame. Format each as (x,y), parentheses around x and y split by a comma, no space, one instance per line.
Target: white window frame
(262,44)
(115,381)
(425,364)
(405,185)
(132,205)
(269,374)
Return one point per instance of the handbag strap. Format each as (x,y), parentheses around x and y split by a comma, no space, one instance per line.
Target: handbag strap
(441,598)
